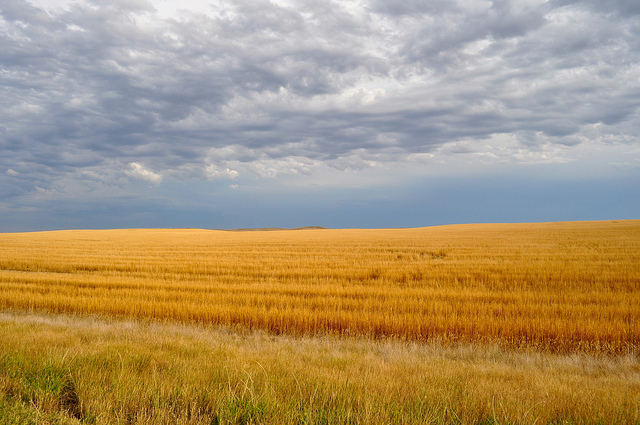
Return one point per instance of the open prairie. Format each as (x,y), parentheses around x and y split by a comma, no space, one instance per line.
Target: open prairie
(469,324)
(60,369)
(562,287)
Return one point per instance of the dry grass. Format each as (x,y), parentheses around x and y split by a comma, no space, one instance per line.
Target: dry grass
(566,287)
(70,370)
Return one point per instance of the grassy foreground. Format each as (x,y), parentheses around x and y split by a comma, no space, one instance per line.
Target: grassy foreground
(69,370)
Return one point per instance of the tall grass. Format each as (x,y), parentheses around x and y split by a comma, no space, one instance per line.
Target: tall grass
(66,370)
(566,287)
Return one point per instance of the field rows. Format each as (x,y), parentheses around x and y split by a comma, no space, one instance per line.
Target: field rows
(556,286)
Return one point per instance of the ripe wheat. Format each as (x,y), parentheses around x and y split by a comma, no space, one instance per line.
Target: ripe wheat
(553,286)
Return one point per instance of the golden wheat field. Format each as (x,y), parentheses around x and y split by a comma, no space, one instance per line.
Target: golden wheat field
(571,286)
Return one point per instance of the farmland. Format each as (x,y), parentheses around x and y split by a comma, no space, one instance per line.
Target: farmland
(560,287)
(487,323)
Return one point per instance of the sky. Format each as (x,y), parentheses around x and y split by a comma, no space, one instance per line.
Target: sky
(341,113)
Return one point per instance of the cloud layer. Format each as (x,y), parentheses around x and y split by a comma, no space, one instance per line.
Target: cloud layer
(96,96)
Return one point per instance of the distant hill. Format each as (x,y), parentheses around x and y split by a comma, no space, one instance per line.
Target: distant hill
(270,229)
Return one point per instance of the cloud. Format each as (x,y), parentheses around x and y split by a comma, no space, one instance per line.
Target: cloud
(623,8)
(244,89)
(214,172)
(138,171)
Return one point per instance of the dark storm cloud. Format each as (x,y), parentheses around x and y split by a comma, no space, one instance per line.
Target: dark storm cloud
(109,91)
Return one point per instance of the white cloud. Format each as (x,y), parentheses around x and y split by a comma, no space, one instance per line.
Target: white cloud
(137,171)
(213,172)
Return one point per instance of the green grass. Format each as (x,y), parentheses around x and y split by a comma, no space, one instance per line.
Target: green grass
(70,370)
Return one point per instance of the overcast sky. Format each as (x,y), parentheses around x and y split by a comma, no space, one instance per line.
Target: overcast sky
(363,113)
